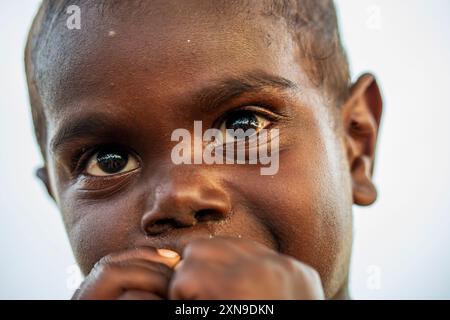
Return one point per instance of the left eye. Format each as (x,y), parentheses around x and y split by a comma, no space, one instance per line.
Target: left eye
(111,161)
(243,120)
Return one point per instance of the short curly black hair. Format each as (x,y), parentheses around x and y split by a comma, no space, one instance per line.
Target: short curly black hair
(313,24)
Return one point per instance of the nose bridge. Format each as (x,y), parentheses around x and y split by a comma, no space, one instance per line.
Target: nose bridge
(183,198)
(179,194)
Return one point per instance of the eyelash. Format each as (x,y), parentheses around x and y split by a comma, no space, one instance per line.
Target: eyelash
(81,158)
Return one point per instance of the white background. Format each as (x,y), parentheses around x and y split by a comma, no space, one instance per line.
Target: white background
(401,243)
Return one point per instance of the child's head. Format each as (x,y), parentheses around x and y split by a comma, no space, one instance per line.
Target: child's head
(107,97)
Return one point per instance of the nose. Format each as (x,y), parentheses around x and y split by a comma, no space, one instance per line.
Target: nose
(184,201)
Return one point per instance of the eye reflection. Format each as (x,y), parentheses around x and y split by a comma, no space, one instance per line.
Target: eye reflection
(242,120)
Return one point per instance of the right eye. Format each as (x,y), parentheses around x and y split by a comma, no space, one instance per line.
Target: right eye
(111,161)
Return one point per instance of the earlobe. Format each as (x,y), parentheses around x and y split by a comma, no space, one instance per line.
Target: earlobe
(42,174)
(364,191)
(361,116)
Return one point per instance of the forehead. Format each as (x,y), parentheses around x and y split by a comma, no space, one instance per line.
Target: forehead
(164,50)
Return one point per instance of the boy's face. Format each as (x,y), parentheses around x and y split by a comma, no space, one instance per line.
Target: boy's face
(125,82)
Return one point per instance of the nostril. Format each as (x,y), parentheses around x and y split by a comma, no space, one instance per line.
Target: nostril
(166,221)
(208,215)
(160,226)
(153,225)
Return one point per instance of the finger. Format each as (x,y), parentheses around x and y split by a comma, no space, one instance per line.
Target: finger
(152,266)
(193,279)
(178,265)
(244,245)
(110,281)
(224,249)
(138,295)
(207,250)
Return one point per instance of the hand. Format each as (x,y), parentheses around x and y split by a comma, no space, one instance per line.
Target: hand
(141,273)
(230,268)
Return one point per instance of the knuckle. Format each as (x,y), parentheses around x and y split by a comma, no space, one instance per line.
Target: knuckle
(314,275)
(105,266)
(197,247)
(253,245)
(163,269)
(308,272)
(293,266)
(104,261)
(183,286)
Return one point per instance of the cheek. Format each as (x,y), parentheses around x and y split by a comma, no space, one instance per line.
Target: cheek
(308,206)
(99,227)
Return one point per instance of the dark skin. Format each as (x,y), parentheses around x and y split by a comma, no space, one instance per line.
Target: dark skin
(238,234)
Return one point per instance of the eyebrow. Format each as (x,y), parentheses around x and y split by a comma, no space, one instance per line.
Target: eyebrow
(88,125)
(226,89)
(209,99)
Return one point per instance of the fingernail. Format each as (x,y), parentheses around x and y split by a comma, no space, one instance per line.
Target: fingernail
(168,253)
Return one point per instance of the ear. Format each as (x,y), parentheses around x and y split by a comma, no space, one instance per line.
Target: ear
(42,174)
(361,115)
